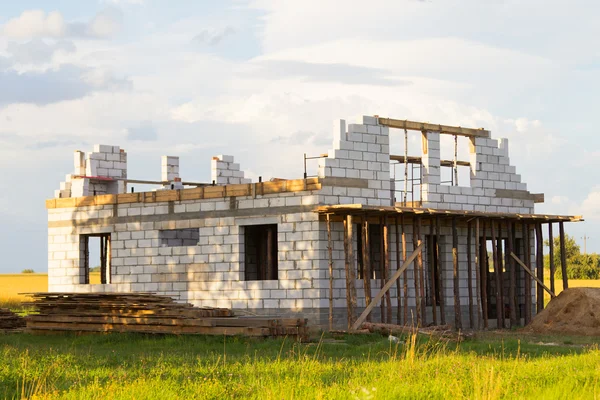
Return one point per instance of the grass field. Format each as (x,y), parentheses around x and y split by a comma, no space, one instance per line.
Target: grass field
(506,365)
(356,367)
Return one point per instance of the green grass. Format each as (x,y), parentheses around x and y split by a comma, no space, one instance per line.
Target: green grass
(361,367)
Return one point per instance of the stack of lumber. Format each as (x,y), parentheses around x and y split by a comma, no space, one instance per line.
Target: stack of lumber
(148,313)
(10,321)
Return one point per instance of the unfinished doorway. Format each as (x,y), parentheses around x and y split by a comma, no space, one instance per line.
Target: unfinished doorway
(95,252)
(260,252)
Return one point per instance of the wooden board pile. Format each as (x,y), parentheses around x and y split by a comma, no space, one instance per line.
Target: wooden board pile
(9,321)
(149,313)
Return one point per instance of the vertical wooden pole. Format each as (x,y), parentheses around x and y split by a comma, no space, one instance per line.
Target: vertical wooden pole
(563,255)
(386,265)
(107,261)
(551,255)
(86,260)
(499,316)
(350,288)
(102,261)
(382,267)
(539,240)
(440,274)
(405,274)
(501,275)
(457,311)
(478,274)
(484,277)
(330,254)
(416,273)
(470,274)
(366,252)
(510,246)
(421,276)
(432,277)
(398,264)
(527,254)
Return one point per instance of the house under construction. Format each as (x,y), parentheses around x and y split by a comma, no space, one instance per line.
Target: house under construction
(392,237)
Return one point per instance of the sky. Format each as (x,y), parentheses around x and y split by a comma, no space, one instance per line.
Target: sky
(263,80)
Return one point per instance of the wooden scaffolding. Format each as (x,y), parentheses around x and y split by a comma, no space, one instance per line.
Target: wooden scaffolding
(506,250)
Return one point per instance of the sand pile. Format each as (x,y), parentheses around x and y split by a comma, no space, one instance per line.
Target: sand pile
(575,311)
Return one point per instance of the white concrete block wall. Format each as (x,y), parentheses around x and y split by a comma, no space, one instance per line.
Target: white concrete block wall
(105,162)
(224,171)
(490,171)
(362,152)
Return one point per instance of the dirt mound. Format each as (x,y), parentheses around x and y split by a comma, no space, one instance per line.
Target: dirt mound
(575,311)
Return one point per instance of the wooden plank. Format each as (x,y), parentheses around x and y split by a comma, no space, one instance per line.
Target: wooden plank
(85,201)
(381,267)
(424,126)
(527,256)
(67,202)
(478,275)
(398,289)
(512,290)
(367,272)
(416,275)
(563,255)
(519,195)
(522,264)
(440,274)
(349,269)
(126,198)
(330,256)
(405,274)
(50,203)
(421,276)
(484,275)
(539,241)
(470,275)
(116,320)
(457,311)
(387,287)
(418,160)
(499,311)
(551,256)
(432,277)
(166,195)
(500,270)
(105,199)
(386,268)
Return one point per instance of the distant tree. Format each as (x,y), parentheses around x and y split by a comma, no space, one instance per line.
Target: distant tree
(572,249)
(28,271)
(95,269)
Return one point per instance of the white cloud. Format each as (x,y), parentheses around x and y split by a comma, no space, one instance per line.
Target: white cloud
(38,24)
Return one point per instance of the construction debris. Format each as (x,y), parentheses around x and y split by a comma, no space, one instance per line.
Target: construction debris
(149,313)
(9,321)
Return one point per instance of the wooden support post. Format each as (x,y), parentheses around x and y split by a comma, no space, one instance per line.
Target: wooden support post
(86,261)
(527,257)
(405,274)
(512,303)
(501,276)
(539,254)
(530,273)
(386,268)
(440,271)
(457,311)
(496,274)
(350,288)
(421,276)
(484,277)
(366,253)
(551,256)
(398,290)
(563,255)
(470,274)
(387,287)
(330,255)
(416,274)
(478,275)
(108,258)
(382,267)
(432,277)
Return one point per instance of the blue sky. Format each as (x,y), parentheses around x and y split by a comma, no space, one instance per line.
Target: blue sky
(263,80)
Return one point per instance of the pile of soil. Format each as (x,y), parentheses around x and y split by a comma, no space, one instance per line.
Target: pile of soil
(575,311)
